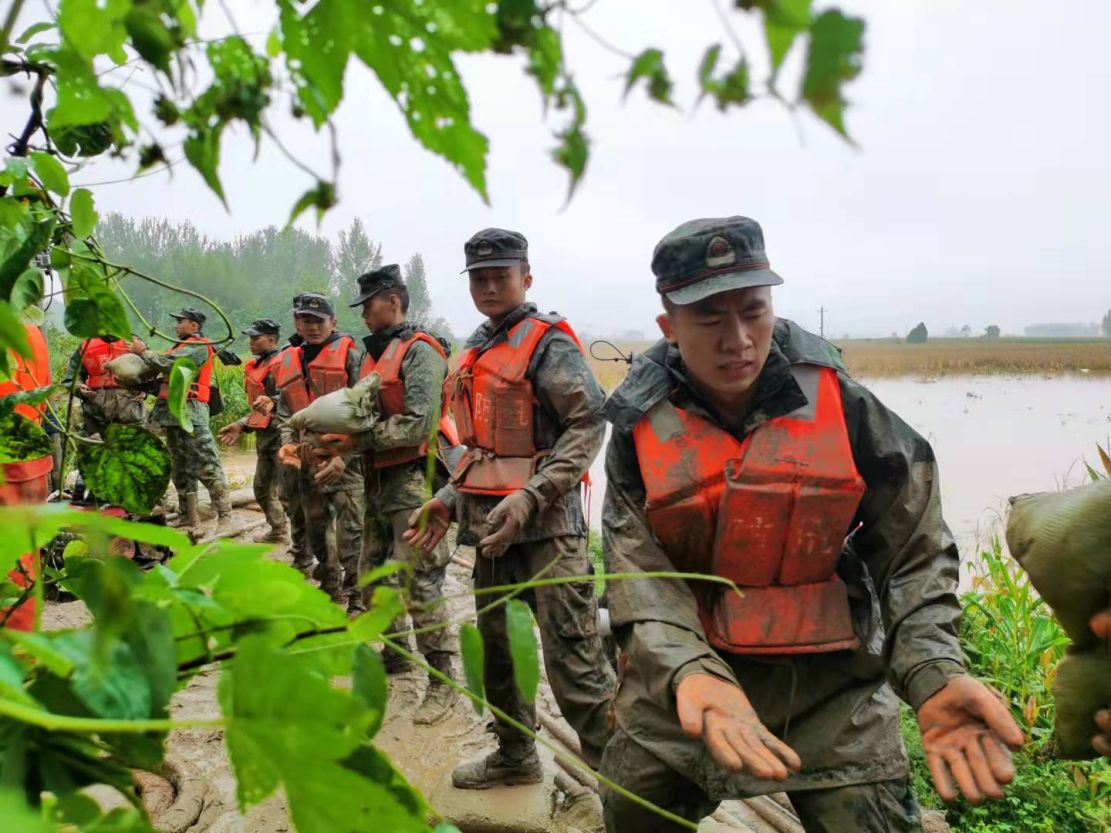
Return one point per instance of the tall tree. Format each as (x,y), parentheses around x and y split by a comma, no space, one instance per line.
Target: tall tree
(420,302)
(1105,325)
(355,254)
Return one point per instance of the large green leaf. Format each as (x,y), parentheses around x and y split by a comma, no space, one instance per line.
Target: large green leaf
(784,20)
(523,648)
(13,335)
(92,305)
(19,243)
(94,28)
(18,816)
(21,439)
(23,397)
(181,377)
(474,668)
(130,469)
(51,172)
(649,65)
(83,213)
(150,36)
(81,99)
(368,682)
(202,149)
(26,294)
(834,58)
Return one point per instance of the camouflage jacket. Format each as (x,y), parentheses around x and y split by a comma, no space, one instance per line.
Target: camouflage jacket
(197,352)
(567,418)
(422,370)
(901,570)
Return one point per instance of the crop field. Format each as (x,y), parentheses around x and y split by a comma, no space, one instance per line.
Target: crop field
(874,358)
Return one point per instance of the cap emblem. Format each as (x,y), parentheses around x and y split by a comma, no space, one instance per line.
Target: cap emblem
(484,249)
(314,303)
(719,253)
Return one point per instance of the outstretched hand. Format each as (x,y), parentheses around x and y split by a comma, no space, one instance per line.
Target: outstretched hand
(289,455)
(428,525)
(719,712)
(967,735)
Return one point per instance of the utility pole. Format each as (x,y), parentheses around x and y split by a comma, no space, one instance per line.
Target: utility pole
(822,325)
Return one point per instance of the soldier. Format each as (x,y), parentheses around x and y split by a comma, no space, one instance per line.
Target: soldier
(262,396)
(741,448)
(530,412)
(324,361)
(103,401)
(412,364)
(193,455)
(289,485)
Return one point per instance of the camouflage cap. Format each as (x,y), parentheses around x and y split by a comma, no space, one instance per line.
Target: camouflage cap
(495,247)
(370,284)
(313,303)
(189,314)
(704,257)
(263,327)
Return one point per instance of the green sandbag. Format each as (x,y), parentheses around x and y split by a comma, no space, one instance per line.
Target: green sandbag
(1082,687)
(347,411)
(1063,542)
(131,371)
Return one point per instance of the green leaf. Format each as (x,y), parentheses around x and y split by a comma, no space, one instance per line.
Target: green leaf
(19,243)
(23,397)
(522,648)
(92,28)
(13,335)
(381,572)
(474,662)
(150,37)
(385,606)
(181,377)
(274,43)
(323,196)
(18,816)
(131,469)
(573,149)
(834,58)
(83,213)
(92,306)
(733,89)
(26,295)
(706,67)
(87,139)
(784,20)
(51,172)
(21,439)
(368,679)
(202,149)
(35,29)
(47,650)
(649,65)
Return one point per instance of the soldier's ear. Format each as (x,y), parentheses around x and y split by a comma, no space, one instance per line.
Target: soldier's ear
(663,320)
(527,280)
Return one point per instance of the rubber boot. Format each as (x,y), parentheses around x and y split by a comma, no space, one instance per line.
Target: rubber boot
(439,697)
(273,535)
(508,766)
(394,662)
(222,504)
(191,512)
(182,519)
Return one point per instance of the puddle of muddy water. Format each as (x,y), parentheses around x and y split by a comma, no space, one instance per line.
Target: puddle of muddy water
(994,436)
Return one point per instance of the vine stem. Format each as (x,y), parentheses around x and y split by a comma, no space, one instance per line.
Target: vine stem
(67,723)
(9,22)
(570,757)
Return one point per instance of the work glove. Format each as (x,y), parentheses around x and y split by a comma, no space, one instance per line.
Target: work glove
(719,712)
(331,472)
(428,525)
(506,519)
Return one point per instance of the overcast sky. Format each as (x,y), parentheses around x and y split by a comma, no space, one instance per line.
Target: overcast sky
(980,192)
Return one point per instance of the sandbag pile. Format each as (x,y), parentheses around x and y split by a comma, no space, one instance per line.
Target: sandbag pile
(1063,542)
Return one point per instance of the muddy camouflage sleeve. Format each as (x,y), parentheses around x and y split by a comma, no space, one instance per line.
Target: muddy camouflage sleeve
(568,391)
(423,372)
(656,620)
(197,352)
(906,546)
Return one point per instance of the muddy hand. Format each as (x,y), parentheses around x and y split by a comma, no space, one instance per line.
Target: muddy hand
(1101,742)
(288,455)
(427,525)
(339,443)
(137,346)
(966,732)
(719,712)
(230,433)
(263,404)
(331,472)
(506,519)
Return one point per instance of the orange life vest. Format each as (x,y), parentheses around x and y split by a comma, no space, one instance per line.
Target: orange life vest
(254,383)
(97,353)
(770,513)
(327,373)
(27,481)
(201,388)
(391,398)
(492,403)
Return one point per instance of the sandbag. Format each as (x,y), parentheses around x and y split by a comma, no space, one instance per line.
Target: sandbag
(131,371)
(347,411)
(1063,542)
(1082,687)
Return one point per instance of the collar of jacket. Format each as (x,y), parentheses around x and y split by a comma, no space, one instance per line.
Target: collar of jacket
(659,372)
(487,335)
(262,357)
(376,343)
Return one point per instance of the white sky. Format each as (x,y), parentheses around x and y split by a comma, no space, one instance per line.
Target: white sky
(980,192)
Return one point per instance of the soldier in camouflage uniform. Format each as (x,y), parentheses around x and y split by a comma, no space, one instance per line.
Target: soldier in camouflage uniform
(262,396)
(741,448)
(331,493)
(289,486)
(530,412)
(412,364)
(193,455)
(103,401)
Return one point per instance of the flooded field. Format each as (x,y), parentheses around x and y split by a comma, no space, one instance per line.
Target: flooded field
(994,436)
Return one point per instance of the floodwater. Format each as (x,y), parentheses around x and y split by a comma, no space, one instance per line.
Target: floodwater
(994,437)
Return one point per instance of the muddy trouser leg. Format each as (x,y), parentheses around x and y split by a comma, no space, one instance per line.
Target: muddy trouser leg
(348,508)
(581,678)
(424,594)
(266,485)
(182,471)
(209,469)
(633,767)
(883,807)
(289,480)
(377,550)
(319,516)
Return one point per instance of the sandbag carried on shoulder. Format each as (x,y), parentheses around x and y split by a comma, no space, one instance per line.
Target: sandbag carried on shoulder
(346,411)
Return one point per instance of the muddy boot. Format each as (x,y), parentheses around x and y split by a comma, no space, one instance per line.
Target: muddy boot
(273,535)
(182,519)
(222,504)
(500,768)
(394,662)
(439,697)
(191,513)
